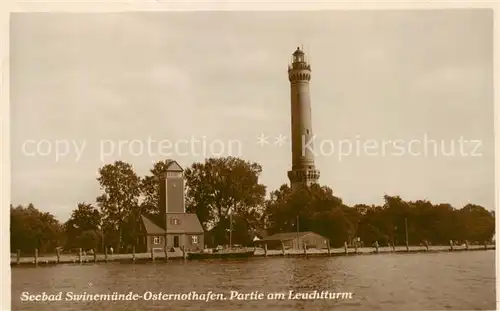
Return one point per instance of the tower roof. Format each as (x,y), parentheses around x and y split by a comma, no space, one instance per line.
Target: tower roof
(298,52)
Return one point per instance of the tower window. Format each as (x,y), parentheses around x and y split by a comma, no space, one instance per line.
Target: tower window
(307,131)
(174,174)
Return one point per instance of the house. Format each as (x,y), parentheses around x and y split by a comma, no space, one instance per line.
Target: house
(173,228)
(295,240)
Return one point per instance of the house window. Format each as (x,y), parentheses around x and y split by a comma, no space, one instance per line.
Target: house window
(175,221)
(156,240)
(194,239)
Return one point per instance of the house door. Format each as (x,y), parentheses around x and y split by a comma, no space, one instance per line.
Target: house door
(176,241)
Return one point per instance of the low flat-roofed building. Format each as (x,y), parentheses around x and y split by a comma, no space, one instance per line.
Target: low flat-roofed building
(295,240)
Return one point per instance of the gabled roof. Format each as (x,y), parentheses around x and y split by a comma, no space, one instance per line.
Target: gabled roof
(173,166)
(188,223)
(151,227)
(287,236)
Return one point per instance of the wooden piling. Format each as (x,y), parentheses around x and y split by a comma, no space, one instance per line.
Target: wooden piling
(58,254)
(466,245)
(282,248)
(184,254)
(36,256)
(328,247)
(345,247)
(451,245)
(133,254)
(265,250)
(407,247)
(80,255)
(376,246)
(18,259)
(165,247)
(152,255)
(305,249)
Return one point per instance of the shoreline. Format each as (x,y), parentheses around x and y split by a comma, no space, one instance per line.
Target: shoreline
(145,258)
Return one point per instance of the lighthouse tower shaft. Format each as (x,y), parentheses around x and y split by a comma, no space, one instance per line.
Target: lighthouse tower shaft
(303,171)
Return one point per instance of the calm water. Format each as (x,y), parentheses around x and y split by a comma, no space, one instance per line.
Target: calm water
(440,281)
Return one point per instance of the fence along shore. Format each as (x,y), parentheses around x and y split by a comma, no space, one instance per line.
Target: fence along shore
(152,257)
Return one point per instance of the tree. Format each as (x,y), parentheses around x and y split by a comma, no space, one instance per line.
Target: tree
(220,186)
(119,201)
(354,216)
(278,215)
(31,228)
(478,224)
(312,208)
(89,239)
(85,218)
(424,221)
(241,231)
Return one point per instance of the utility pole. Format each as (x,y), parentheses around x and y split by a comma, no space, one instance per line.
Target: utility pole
(102,239)
(230,231)
(406,230)
(298,232)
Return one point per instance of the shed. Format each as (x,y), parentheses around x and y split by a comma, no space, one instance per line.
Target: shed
(295,240)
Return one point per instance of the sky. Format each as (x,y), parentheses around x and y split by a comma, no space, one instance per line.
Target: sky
(391,93)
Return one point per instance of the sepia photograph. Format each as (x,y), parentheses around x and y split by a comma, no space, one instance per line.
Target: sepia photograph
(252,160)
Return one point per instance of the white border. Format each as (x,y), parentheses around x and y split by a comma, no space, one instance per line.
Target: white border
(161,5)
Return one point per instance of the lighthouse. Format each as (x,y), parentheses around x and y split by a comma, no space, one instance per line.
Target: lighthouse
(303,172)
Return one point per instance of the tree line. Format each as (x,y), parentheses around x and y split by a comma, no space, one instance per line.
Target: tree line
(219,187)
